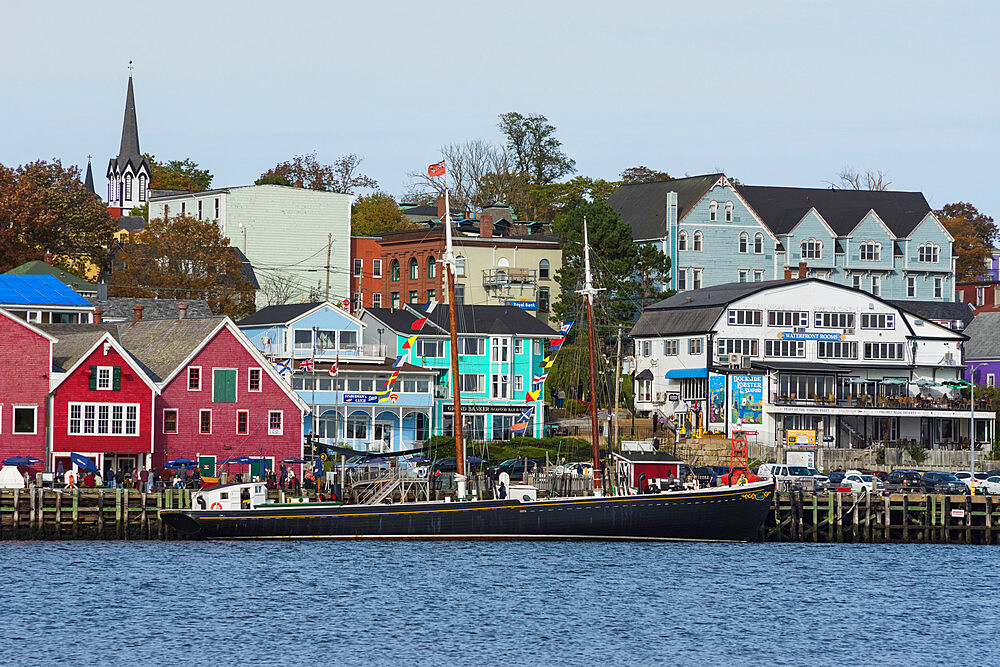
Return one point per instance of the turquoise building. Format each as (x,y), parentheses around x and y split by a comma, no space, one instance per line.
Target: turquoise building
(501,349)
(889,244)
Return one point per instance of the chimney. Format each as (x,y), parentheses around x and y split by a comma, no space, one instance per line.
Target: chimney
(98,316)
(298,183)
(803,270)
(47,257)
(137,309)
(788,274)
(440,207)
(182,307)
(486,226)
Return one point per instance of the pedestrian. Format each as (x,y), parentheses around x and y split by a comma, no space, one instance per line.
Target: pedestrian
(109,478)
(283,478)
(119,478)
(560,398)
(503,491)
(292,481)
(98,480)
(144,479)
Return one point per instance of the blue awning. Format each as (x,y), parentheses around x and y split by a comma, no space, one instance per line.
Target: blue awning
(679,373)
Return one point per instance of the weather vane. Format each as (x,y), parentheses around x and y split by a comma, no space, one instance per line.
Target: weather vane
(130,68)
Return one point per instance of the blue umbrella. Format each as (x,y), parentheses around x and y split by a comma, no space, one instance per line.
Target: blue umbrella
(241,459)
(293,459)
(84,462)
(21,461)
(173,463)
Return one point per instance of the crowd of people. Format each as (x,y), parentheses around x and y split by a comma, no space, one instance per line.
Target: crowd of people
(181,477)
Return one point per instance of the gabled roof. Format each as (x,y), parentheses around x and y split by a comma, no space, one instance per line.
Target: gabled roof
(27,325)
(43,290)
(74,341)
(497,320)
(781,208)
(984,337)
(287,313)
(120,308)
(162,345)
(937,310)
(40,268)
(644,205)
(132,223)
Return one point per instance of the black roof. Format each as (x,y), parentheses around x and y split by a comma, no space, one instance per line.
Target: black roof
(246,268)
(88,181)
(470,319)
(781,208)
(121,308)
(648,457)
(937,310)
(132,223)
(643,205)
(716,295)
(281,314)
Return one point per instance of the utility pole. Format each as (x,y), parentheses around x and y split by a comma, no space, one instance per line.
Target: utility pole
(329,249)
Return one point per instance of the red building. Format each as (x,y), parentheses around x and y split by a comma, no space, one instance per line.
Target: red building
(26,357)
(101,400)
(982,295)
(366,273)
(219,397)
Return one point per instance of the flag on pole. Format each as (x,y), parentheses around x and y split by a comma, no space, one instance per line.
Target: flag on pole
(409,342)
(518,427)
(436,169)
(556,343)
(335,368)
(564,329)
(306,365)
(548,364)
(539,379)
(400,360)
(284,366)
(521,423)
(546,360)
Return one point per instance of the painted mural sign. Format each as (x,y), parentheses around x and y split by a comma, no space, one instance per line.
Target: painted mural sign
(748,395)
(717,399)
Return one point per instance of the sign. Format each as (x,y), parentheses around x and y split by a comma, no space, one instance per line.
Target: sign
(811,335)
(828,438)
(800,437)
(449,408)
(628,365)
(717,399)
(748,395)
(360,398)
(523,305)
(673,398)
(958,514)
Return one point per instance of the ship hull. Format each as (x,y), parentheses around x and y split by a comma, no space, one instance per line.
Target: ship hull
(717,514)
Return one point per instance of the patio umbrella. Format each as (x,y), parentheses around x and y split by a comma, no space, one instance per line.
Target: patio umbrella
(894,381)
(21,461)
(293,459)
(173,463)
(84,462)
(417,459)
(241,459)
(922,382)
(957,384)
(474,459)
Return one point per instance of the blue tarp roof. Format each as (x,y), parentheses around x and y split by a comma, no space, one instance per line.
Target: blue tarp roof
(38,291)
(679,373)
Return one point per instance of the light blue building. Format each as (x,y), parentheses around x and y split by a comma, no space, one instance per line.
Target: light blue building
(715,232)
(500,351)
(350,408)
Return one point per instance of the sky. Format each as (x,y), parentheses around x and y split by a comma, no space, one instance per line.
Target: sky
(770,92)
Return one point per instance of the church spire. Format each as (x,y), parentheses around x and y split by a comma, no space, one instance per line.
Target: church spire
(130,131)
(88,182)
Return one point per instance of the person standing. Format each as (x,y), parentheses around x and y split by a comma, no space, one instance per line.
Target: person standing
(283,478)
(144,479)
(119,478)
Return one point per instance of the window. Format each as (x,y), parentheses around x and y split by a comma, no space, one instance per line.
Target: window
(24,420)
(357,426)
(744,242)
(739,316)
(430,348)
(111,192)
(377,300)
(471,345)
(682,240)
(414,296)
(359,265)
(543,299)
(713,211)
(698,241)
(729,211)
(472,383)
(394,299)
(876,286)
(205,422)
(199,209)
(460,266)
(991,380)
(274,422)
(518,346)
(106,378)
(414,269)
(743,275)
(878,321)
(242,422)
(758,275)
(128,187)
(376,268)
(938,287)
(394,271)
(748,347)
(696,275)
(500,386)
(142,187)
(890,351)
(784,348)
(518,383)
(253,379)
(856,281)
(223,385)
(695,345)
(183,208)
(194,378)
(501,348)
(170,420)
(431,267)
(104,419)
(788,318)
(647,348)
(839,349)
(928,253)
(216,208)
(501,427)
(911,286)
(980,295)
(811,249)
(670,348)
(870,251)
(682,278)
(758,243)
(543,269)
(835,320)
(459,295)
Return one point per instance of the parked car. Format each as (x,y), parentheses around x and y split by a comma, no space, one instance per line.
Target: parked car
(966,477)
(835,477)
(860,482)
(787,476)
(942,482)
(818,476)
(903,481)
(992,485)
(516,468)
(584,468)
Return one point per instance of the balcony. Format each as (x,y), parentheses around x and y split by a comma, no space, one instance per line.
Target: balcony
(359,351)
(509,276)
(876,402)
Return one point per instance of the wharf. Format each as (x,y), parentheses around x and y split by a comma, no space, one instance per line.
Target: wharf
(904,518)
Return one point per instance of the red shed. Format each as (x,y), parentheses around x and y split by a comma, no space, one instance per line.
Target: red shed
(26,359)
(630,465)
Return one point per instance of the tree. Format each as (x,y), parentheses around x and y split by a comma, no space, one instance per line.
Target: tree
(178,175)
(342,176)
(851,179)
(183,258)
(642,174)
(477,174)
(278,288)
(974,233)
(537,153)
(44,207)
(551,200)
(377,214)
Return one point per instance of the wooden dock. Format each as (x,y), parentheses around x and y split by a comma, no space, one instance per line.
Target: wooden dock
(917,517)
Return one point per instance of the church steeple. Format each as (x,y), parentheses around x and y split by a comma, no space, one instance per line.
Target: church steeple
(130,130)
(128,173)
(88,181)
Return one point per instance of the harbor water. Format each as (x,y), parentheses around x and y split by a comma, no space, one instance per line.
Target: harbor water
(504,603)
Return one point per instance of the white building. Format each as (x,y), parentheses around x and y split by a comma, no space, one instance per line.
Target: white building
(806,354)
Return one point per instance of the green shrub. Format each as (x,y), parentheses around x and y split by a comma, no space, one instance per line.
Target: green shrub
(575,407)
(916,452)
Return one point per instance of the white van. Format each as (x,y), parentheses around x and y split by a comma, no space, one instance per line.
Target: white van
(787,476)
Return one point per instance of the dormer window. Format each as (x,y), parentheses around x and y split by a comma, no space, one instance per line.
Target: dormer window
(928,253)
(682,240)
(713,211)
(729,211)
(870,251)
(811,249)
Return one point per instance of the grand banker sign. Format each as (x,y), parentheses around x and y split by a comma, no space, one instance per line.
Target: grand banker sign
(449,408)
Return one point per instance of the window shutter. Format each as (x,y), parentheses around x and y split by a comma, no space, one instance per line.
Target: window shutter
(93,378)
(117,379)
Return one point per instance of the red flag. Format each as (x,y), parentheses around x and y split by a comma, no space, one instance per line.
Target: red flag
(436,169)
(418,324)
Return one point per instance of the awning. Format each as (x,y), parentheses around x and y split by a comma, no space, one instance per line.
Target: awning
(680,373)
(645,375)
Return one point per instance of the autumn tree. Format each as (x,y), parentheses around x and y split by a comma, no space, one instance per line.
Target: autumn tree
(183,258)
(45,207)
(377,213)
(535,150)
(178,175)
(974,234)
(642,174)
(342,176)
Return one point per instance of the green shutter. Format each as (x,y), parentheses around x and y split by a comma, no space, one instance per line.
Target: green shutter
(223,385)
(93,378)
(117,379)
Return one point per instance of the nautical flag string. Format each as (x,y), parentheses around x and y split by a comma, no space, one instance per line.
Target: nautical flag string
(409,342)
(284,366)
(392,379)
(556,343)
(539,379)
(419,323)
(522,420)
(400,360)
(564,329)
(532,396)
(306,365)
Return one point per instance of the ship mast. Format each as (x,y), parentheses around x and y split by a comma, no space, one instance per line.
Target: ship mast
(449,262)
(589,291)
